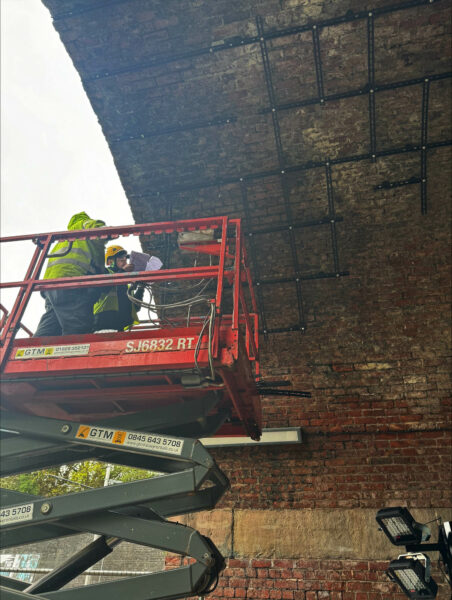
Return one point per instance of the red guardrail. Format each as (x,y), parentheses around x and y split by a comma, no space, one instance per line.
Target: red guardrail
(232,269)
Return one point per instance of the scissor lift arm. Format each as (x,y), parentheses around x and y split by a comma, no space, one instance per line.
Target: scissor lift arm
(150,393)
(135,512)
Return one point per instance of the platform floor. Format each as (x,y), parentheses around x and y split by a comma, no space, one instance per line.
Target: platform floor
(105,375)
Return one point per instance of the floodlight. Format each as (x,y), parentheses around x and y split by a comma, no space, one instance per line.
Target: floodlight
(412,576)
(400,527)
(445,547)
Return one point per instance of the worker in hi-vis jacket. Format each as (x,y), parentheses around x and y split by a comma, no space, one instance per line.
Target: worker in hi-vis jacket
(114,310)
(71,310)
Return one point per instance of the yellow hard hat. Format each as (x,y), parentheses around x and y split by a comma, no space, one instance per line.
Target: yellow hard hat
(112,251)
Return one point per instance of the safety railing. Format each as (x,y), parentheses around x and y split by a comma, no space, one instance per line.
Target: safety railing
(4,317)
(231,270)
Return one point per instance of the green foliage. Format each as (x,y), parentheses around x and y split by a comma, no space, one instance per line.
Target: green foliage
(71,478)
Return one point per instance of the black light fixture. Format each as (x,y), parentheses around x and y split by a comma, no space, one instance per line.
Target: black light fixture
(411,571)
(445,548)
(412,576)
(400,526)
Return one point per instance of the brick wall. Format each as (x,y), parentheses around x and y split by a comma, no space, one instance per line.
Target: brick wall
(376,432)
(303,579)
(342,470)
(299,521)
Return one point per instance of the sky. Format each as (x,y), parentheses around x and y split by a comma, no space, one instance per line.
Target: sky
(55,161)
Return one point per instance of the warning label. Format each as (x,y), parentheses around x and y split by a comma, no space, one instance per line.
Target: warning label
(14,514)
(52,351)
(83,432)
(132,439)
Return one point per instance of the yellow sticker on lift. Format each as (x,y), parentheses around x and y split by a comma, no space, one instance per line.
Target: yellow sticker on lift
(83,432)
(52,351)
(119,437)
(101,434)
(153,442)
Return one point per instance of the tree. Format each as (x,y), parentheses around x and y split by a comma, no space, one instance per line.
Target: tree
(71,478)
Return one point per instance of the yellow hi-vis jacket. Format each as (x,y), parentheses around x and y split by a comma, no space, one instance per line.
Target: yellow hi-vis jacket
(85,257)
(109,301)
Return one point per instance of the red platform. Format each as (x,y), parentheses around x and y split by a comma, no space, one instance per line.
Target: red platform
(105,375)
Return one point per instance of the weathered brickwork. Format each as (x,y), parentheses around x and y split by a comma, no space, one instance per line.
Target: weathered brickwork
(341,470)
(304,580)
(187,111)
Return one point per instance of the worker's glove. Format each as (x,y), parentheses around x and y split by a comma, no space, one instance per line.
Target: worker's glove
(139,291)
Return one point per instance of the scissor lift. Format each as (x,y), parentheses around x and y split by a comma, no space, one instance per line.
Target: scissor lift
(139,398)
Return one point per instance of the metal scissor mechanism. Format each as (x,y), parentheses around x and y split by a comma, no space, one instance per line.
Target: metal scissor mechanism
(135,512)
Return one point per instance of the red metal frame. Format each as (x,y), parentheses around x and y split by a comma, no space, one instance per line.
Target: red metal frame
(4,318)
(138,378)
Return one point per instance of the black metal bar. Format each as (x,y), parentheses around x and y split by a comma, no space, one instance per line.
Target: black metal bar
(301,325)
(295,393)
(329,189)
(237,41)
(293,169)
(214,122)
(8,583)
(288,329)
(320,275)
(316,100)
(348,17)
(275,229)
(295,225)
(256,269)
(318,63)
(332,215)
(409,148)
(425,97)
(370,50)
(422,547)
(270,91)
(384,10)
(155,63)
(371,84)
(424,135)
(273,383)
(384,87)
(279,150)
(389,185)
(74,566)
